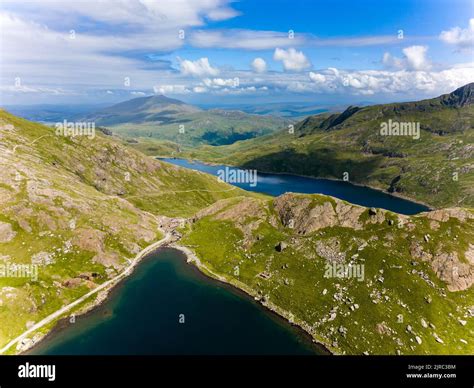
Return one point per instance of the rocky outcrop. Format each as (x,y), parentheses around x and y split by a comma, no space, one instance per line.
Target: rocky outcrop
(6,232)
(447,266)
(443,215)
(302,214)
(456,274)
(460,97)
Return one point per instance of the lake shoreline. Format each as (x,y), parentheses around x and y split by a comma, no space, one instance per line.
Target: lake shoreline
(243,290)
(395,195)
(187,256)
(101,297)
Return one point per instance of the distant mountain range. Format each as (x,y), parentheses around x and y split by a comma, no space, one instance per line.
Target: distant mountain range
(162,118)
(437,168)
(50,113)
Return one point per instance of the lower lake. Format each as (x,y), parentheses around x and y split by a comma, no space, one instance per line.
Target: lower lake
(167,307)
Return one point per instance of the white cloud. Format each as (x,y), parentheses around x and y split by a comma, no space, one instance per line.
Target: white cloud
(220,82)
(369,82)
(170,89)
(37,46)
(462,38)
(392,62)
(151,14)
(414,59)
(12,89)
(259,65)
(198,68)
(243,39)
(199,89)
(264,40)
(317,78)
(292,59)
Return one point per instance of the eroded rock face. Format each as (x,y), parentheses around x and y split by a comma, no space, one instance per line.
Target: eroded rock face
(89,239)
(247,207)
(6,232)
(443,215)
(458,276)
(301,214)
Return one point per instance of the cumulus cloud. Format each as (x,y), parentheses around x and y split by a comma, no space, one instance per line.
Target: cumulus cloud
(198,68)
(462,38)
(414,59)
(259,65)
(291,59)
(370,82)
(220,82)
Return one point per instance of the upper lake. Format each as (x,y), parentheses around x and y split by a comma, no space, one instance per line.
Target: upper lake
(277,184)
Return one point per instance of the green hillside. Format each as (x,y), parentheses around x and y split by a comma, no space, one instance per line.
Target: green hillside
(415,295)
(161,118)
(77,207)
(81,209)
(436,169)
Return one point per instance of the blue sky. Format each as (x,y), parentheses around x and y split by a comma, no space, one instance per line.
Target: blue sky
(233,52)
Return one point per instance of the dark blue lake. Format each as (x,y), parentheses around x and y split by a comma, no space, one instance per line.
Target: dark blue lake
(143,316)
(277,184)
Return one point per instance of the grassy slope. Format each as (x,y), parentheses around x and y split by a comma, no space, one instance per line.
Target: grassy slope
(204,127)
(88,182)
(435,169)
(297,283)
(110,194)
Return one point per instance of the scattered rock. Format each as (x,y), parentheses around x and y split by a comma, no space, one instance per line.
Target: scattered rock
(382,328)
(6,232)
(281,246)
(437,338)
